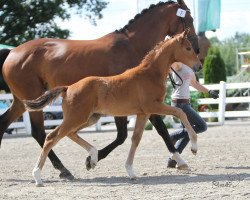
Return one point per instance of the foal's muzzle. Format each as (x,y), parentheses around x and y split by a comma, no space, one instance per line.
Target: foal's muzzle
(197,67)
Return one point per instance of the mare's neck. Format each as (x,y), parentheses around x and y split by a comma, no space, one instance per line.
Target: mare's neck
(148,30)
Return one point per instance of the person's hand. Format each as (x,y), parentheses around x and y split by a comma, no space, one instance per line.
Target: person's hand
(213,94)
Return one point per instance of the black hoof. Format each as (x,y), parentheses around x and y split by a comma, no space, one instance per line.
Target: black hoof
(66,175)
(87,163)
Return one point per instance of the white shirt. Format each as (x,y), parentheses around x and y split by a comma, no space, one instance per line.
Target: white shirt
(182,92)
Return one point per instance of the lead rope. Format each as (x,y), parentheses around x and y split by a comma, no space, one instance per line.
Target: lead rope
(172,80)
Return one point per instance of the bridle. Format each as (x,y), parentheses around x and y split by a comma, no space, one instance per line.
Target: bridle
(190,37)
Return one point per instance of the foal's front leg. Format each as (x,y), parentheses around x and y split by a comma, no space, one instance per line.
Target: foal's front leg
(92,159)
(138,131)
(162,109)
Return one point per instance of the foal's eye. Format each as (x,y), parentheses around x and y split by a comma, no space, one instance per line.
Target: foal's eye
(188,48)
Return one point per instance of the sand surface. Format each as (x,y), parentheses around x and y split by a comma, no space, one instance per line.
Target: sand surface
(221,170)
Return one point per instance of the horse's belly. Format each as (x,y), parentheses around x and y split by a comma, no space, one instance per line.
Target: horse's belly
(120,109)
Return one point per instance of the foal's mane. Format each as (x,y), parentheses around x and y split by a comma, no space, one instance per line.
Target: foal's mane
(144,11)
(151,55)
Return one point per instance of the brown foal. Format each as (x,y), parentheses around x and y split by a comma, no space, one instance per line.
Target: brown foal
(139,91)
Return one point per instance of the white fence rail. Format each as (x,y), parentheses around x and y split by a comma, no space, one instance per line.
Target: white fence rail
(25,123)
(221,114)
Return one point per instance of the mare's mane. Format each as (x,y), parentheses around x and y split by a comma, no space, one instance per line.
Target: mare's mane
(122,30)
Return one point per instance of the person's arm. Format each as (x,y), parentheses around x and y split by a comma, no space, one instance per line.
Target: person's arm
(195,84)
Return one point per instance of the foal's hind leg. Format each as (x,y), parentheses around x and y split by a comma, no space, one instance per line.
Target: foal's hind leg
(50,141)
(122,133)
(38,133)
(136,138)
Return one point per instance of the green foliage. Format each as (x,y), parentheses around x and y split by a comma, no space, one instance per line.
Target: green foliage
(23,20)
(214,69)
(228,49)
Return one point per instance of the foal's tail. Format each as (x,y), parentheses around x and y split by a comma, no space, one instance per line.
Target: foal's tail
(45,99)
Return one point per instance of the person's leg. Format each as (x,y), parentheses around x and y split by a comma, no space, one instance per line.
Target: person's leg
(180,137)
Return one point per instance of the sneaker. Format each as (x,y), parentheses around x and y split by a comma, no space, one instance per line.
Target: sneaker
(171,163)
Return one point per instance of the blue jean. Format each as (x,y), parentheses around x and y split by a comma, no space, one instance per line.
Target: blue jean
(198,124)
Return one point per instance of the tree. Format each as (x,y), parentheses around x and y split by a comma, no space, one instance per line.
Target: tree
(228,49)
(23,20)
(214,69)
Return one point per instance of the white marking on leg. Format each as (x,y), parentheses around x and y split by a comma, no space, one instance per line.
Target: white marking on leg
(194,148)
(37,176)
(130,171)
(181,164)
(93,153)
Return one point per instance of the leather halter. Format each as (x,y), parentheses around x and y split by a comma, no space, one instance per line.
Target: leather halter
(191,38)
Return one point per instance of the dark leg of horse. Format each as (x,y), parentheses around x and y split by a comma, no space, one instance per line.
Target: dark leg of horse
(15,111)
(38,133)
(122,133)
(163,132)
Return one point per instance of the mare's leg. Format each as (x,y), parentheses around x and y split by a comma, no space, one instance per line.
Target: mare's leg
(162,109)
(136,138)
(16,110)
(122,133)
(38,133)
(163,132)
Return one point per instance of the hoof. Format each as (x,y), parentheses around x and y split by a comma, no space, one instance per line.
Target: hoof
(87,163)
(194,148)
(39,185)
(183,167)
(171,163)
(134,178)
(194,152)
(66,175)
(90,164)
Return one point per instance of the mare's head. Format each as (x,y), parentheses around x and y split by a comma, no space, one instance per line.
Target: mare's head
(157,21)
(183,51)
(181,19)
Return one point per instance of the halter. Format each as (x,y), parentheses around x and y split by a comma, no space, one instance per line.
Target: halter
(191,38)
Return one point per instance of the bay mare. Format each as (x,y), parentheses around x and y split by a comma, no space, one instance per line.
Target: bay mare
(139,91)
(33,67)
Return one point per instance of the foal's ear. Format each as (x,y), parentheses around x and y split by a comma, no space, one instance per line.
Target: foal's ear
(183,36)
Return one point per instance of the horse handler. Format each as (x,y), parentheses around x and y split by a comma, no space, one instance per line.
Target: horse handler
(180,98)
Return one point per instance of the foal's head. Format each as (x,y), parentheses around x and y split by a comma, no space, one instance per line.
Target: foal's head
(183,51)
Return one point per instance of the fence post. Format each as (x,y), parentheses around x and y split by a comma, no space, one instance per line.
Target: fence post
(26,121)
(98,126)
(222,102)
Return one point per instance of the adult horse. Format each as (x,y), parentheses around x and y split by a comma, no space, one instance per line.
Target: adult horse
(95,95)
(33,67)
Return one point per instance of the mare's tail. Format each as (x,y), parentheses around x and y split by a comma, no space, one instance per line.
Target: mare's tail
(3,55)
(45,99)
